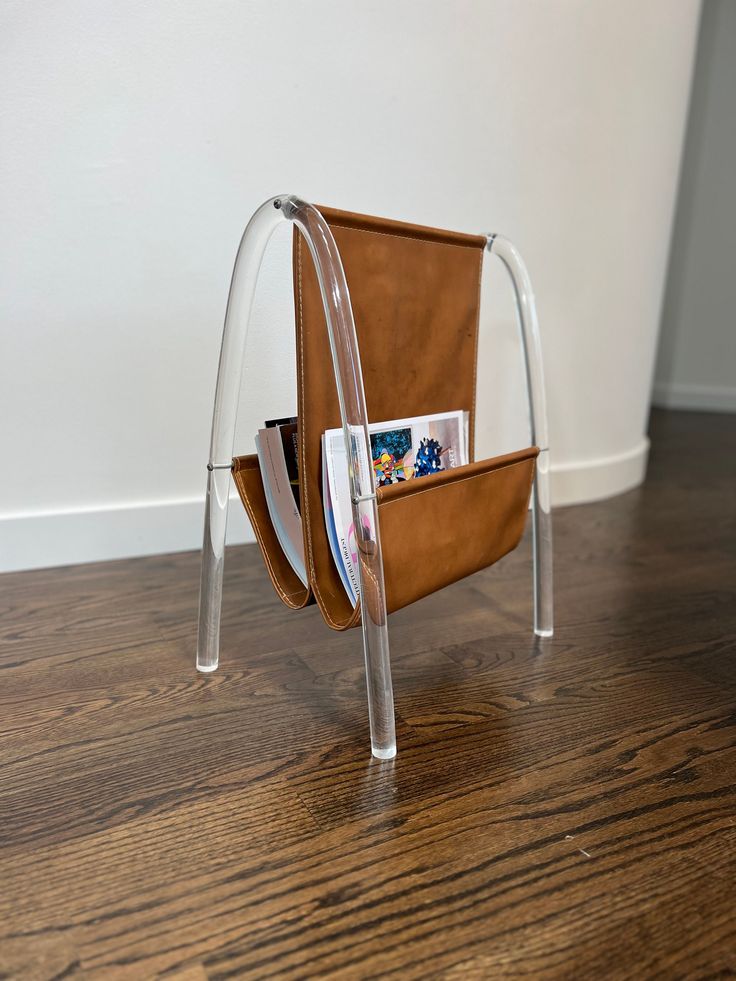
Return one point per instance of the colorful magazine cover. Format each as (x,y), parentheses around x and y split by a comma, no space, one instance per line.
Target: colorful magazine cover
(402,449)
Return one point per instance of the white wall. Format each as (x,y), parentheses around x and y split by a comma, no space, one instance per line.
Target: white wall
(696,363)
(137,138)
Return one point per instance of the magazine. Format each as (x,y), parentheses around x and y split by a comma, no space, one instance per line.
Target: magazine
(402,449)
(288,430)
(280,499)
(341,565)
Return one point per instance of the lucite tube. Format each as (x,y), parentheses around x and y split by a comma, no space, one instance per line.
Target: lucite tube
(349,381)
(541,505)
(229,373)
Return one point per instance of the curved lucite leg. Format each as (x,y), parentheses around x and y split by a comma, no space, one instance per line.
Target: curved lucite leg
(240,300)
(349,379)
(541,505)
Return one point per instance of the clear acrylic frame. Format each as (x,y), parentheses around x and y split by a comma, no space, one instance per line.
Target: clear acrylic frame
(349,382)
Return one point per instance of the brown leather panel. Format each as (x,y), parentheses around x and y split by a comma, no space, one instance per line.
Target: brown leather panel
(388,226)
(415,295)
(447,526)
(247,477)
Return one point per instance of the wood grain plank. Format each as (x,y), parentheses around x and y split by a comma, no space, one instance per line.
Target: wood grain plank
(559,809)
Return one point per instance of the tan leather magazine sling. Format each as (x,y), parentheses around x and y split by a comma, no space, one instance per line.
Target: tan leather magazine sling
(415,294)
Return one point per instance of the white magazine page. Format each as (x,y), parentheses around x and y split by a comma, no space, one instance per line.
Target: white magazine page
(285,517)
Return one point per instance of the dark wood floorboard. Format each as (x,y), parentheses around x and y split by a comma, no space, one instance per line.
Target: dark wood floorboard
(559,809)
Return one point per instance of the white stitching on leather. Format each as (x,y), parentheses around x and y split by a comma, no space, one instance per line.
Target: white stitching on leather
(410,238)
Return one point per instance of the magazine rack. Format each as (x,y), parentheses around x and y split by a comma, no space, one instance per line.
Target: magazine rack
(416,295)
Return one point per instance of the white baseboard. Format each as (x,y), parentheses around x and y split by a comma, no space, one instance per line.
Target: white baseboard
(594,480)
(42,539)
(36,540)
(706,398)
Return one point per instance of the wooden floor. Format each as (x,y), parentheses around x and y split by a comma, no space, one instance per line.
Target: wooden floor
(564,809)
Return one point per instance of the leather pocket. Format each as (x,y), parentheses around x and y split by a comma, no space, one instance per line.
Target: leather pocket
(438,529)
(434,531)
